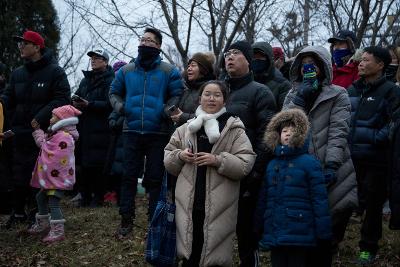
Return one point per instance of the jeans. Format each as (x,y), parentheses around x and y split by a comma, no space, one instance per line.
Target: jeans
(137,146)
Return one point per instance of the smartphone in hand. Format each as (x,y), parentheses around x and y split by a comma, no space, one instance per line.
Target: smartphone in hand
(76,98)
(172,109)
(8,134)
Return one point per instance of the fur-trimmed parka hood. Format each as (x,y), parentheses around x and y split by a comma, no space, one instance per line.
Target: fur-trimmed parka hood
(296,117)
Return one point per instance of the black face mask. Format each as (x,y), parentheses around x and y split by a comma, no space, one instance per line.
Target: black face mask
(258,66)
(147,56)
(391,71)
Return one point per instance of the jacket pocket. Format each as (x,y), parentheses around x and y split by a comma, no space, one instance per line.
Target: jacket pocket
(299,222)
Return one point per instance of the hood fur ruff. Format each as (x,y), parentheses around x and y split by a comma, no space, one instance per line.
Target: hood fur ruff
(272,135)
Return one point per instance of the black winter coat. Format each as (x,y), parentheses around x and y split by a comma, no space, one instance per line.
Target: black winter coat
(35,89)
(255,105)
(394,175)
(115,153)
(94,133)
(372,109)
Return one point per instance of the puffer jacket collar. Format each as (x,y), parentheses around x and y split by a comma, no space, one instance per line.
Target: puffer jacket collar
(46,59)
(287,151)
(237,83)
(363,87)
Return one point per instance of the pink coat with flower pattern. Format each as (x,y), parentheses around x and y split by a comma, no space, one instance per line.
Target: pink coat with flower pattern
(55,166)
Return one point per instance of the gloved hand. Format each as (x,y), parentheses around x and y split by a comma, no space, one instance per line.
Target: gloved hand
(330,169)
(306,92)
(330,176)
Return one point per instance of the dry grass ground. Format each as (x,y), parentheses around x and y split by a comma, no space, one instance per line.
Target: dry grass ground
(90,242)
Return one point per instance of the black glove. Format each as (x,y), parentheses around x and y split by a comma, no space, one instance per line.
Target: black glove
(330,173)
(330,176)
(306,93)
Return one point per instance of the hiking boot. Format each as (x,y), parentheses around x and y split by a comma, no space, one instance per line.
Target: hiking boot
(366,258)
(41,225)
(125,228)
(14,220)
(56,233)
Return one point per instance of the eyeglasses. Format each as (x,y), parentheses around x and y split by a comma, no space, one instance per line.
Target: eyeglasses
(233,52)
(147,40)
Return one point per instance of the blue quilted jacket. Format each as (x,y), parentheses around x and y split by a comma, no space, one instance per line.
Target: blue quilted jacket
(143,96)
(293,204)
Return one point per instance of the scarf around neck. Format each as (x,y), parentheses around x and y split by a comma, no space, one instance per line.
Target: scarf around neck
(210,123)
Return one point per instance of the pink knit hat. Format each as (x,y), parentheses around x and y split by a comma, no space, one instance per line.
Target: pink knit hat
(66,111)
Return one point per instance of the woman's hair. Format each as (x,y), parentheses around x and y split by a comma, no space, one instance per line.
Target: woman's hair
(220,84)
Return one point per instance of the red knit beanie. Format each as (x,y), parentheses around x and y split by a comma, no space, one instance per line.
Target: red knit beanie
(66,111)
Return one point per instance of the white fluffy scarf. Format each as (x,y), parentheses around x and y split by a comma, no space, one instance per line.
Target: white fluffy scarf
(209,121)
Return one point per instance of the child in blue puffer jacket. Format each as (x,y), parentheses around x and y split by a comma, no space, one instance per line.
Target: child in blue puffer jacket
(292,213)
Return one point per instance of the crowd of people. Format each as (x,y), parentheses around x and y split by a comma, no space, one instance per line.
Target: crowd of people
(280,153)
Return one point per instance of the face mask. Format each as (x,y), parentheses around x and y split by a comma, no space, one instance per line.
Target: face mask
(259,66)
(391,71)
(310,75)
(338,56)
(147,55)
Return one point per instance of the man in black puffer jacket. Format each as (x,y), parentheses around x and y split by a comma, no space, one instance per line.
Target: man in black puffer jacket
(92,99)
(35,89)
(255,105)
(373,100)
(266,73)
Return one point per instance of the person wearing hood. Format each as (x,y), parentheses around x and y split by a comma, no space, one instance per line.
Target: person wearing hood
(374,100)
(292,212)
(143,91)
(328,109)
(199,70)
(92,99)
(345,70)
(209,154)
(266,73)
(34,90)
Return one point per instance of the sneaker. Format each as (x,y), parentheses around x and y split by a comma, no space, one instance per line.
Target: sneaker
(76,198)
(111,197)
(366,258)
(356,218)
(125,228)
(14,220)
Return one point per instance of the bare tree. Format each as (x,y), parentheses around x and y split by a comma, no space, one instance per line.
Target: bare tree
(367,18)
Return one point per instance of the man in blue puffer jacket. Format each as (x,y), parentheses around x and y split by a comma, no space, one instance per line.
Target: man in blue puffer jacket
(143,91)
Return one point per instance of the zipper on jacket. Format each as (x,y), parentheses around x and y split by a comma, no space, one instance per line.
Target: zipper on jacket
(144,94)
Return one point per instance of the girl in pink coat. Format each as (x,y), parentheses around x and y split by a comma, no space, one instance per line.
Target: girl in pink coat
(54,171)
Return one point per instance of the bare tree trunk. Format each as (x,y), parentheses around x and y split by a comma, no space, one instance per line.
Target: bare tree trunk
(306,21)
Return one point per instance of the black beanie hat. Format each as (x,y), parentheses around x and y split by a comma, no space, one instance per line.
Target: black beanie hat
(245,48)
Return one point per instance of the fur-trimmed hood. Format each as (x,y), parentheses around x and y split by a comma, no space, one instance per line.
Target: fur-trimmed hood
(296,116)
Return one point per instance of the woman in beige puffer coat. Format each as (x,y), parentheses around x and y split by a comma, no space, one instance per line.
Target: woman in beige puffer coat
(209,155)
(329,114)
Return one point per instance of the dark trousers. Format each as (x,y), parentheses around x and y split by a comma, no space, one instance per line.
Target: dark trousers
(198,239)
(136,147)
(23,195)
(288,256)
(92,185)
(247,241)
(373,186)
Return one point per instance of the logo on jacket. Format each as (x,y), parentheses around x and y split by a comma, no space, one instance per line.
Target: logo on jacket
(370,98)
(40,85)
